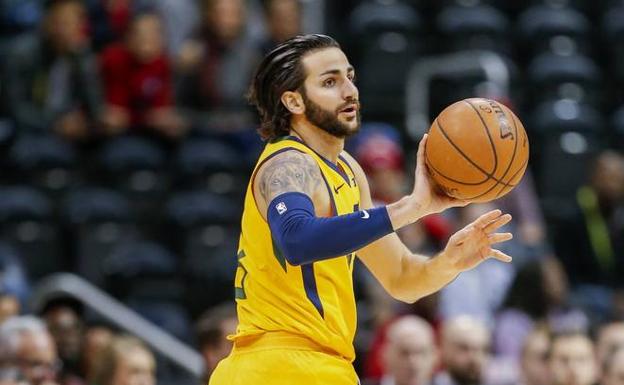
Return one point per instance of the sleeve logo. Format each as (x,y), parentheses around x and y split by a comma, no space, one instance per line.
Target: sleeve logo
(281,208)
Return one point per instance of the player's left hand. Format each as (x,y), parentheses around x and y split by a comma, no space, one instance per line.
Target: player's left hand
(430,198)
(472,245)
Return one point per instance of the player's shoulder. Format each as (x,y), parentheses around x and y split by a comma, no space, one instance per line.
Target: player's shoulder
(355,166)
(291,158)
(290,170)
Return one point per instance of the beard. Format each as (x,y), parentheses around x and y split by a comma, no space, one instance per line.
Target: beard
(466,376)
(328,121)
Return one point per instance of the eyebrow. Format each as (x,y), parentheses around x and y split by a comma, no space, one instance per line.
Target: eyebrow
(336,71)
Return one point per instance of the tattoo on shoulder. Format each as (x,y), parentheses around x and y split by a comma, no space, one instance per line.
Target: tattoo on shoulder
(291,171)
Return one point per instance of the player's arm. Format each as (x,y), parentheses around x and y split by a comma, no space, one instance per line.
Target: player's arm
(292,196)
(408,276)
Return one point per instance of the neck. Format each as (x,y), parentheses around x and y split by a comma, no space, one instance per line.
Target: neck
(318,139)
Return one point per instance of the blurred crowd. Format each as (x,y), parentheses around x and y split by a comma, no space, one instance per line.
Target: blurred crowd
(126,144)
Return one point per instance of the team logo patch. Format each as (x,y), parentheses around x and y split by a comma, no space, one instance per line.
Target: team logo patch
(281,208)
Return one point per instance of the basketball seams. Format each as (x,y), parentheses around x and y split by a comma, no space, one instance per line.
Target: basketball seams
(466,157)
(462,156)
(487,132)
(455,180)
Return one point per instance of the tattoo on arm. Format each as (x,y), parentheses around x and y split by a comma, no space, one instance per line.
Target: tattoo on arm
(291,171)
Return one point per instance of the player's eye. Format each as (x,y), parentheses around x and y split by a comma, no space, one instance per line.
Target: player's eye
(329,82)
(352,78)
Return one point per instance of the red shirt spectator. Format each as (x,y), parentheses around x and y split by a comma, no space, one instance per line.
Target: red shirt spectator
(135,86)
(138,81)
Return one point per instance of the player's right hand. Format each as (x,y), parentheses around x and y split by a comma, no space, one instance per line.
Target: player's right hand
(427,196)
(472,245)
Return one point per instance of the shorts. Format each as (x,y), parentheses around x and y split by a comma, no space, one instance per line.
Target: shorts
(287,360)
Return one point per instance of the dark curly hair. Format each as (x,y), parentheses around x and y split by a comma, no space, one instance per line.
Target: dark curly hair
(280,71)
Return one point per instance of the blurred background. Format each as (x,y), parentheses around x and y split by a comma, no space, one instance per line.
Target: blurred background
(126,144)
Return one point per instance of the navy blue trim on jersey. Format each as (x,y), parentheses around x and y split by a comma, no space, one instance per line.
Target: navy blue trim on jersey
(309,283)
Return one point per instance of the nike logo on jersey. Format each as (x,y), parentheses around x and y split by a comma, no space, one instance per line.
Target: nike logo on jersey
(365,214)
(338,188)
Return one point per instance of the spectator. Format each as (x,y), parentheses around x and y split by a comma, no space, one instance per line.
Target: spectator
(126,361)
(216,78)
(571,359)
(212,329)
(591,240)
(27,352)
(283,20)
(538,294)
(96,340)
(63,317)
(465,352)
(409,353)
(138,81)
(51,78)
(608,338)
(613,368)
(9,306)
(533,358)
(108,20)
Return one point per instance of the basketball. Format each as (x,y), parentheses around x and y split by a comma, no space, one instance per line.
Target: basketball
(477,150)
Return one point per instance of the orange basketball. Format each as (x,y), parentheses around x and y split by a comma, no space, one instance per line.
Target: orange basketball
(477,150)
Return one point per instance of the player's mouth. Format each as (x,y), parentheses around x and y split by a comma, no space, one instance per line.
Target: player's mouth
(350,110)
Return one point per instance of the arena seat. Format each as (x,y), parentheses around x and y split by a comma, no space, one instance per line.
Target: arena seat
(544,28)
(477,27)
(27,222)
(97,219)
(44,161)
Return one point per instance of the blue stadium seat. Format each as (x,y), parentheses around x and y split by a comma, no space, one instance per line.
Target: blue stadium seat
(613,31)
(389,37)
(576,77)
(199,222)
(44,161)
(209,277)
(544,28)
(97,220)
(210,165)
(142,270)
(137,167)
(617,129)
(565,136)
(476,27)
(27,222)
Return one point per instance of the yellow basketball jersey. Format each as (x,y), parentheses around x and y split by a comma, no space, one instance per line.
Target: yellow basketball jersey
(314,300)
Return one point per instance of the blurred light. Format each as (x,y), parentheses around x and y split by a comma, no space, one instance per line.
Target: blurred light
(557,3)
(468,3)
(213,235)
(143,180)
(107,232)
(393,42)
(221,183)
(563,45)
(571,91)
(28,231)
(566,109)
(573,143)
(57,178)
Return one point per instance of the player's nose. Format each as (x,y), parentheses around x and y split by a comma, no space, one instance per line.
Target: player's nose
(349,91)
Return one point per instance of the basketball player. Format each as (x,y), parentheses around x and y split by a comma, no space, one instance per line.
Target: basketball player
(308,214)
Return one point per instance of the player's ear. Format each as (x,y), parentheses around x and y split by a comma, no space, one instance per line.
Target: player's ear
(293,102)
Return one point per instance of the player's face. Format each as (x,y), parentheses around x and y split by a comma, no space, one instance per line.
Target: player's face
(329,93)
